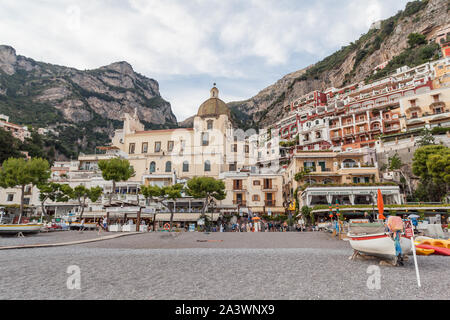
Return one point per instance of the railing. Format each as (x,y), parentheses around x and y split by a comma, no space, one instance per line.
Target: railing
(240,202)
(392,129)
(269,203)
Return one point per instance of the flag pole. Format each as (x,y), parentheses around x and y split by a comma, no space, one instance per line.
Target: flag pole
(414,254)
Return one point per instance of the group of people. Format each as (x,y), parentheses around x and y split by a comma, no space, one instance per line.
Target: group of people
(263,226)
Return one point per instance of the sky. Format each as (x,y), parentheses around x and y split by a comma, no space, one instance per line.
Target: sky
(243,46)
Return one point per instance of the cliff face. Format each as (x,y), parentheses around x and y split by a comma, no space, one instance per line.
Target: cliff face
(351,64)
(90,102)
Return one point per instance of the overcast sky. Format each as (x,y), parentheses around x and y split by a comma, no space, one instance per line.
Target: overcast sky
(243,46)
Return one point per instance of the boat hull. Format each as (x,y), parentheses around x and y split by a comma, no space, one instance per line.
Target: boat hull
(16,228)
(380,245)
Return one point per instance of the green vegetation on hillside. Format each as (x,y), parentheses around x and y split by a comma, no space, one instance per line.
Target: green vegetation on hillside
(365,46)
(411,57)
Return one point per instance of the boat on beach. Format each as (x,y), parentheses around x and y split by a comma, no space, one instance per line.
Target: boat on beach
(15,228)
(28,228)
(373,239)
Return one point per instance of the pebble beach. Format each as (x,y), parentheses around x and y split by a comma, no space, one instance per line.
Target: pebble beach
(221,266)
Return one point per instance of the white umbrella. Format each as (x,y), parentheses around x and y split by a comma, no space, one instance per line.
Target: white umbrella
(413,216)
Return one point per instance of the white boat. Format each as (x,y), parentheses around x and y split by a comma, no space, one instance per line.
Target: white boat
(372,239)
(24,228)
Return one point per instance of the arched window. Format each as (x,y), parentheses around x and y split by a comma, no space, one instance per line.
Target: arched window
(350,163)
(207,165)
(168,166)
(185,166)
(152,166)
(210,124)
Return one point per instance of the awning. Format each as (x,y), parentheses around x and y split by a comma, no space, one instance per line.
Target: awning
(180,217)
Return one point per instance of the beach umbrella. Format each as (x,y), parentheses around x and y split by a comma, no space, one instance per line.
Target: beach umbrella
(380,205)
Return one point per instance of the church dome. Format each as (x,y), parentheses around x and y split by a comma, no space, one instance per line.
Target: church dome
(213,107)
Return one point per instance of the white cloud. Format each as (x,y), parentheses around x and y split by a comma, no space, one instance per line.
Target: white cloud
(166,39)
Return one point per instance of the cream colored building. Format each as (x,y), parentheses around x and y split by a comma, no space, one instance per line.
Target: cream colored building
(254,189)
(428,109)
(330,168)
(210,148)
(442,74)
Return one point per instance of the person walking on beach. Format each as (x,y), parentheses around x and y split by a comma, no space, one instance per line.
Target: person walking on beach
(105,223)
(99,228)
(82,225)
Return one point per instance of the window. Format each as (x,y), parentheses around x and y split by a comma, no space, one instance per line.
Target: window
(237,184)
(210,124)
(233,166)
(185,166)
(414,115)
(152,167)
(26,201)
(168,166)
(267,183)
(437,110)
(170,146)
(183,145)
(131,148)
(144,147)
(205,139)
(255,197)
(157,146)
(10,197)
(207,165)
(247,149)
(234,148)
(256,182)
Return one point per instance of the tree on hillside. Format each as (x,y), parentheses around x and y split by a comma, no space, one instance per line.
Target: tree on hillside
(431,164)
(116,170)
(396,165)
(52,191)
(20,173)
(426,138)
(206,188)
(81,194)
(9,146)
(416,39)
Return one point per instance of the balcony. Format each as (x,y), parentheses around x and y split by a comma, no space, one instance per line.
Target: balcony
(357,165)
(336,137)
(269,203)
(393,128)
(350,123)
(391,120)
(269,188)
(240,202)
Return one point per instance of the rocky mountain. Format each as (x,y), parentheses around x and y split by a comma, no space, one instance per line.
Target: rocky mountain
(83,107)
(353,63)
